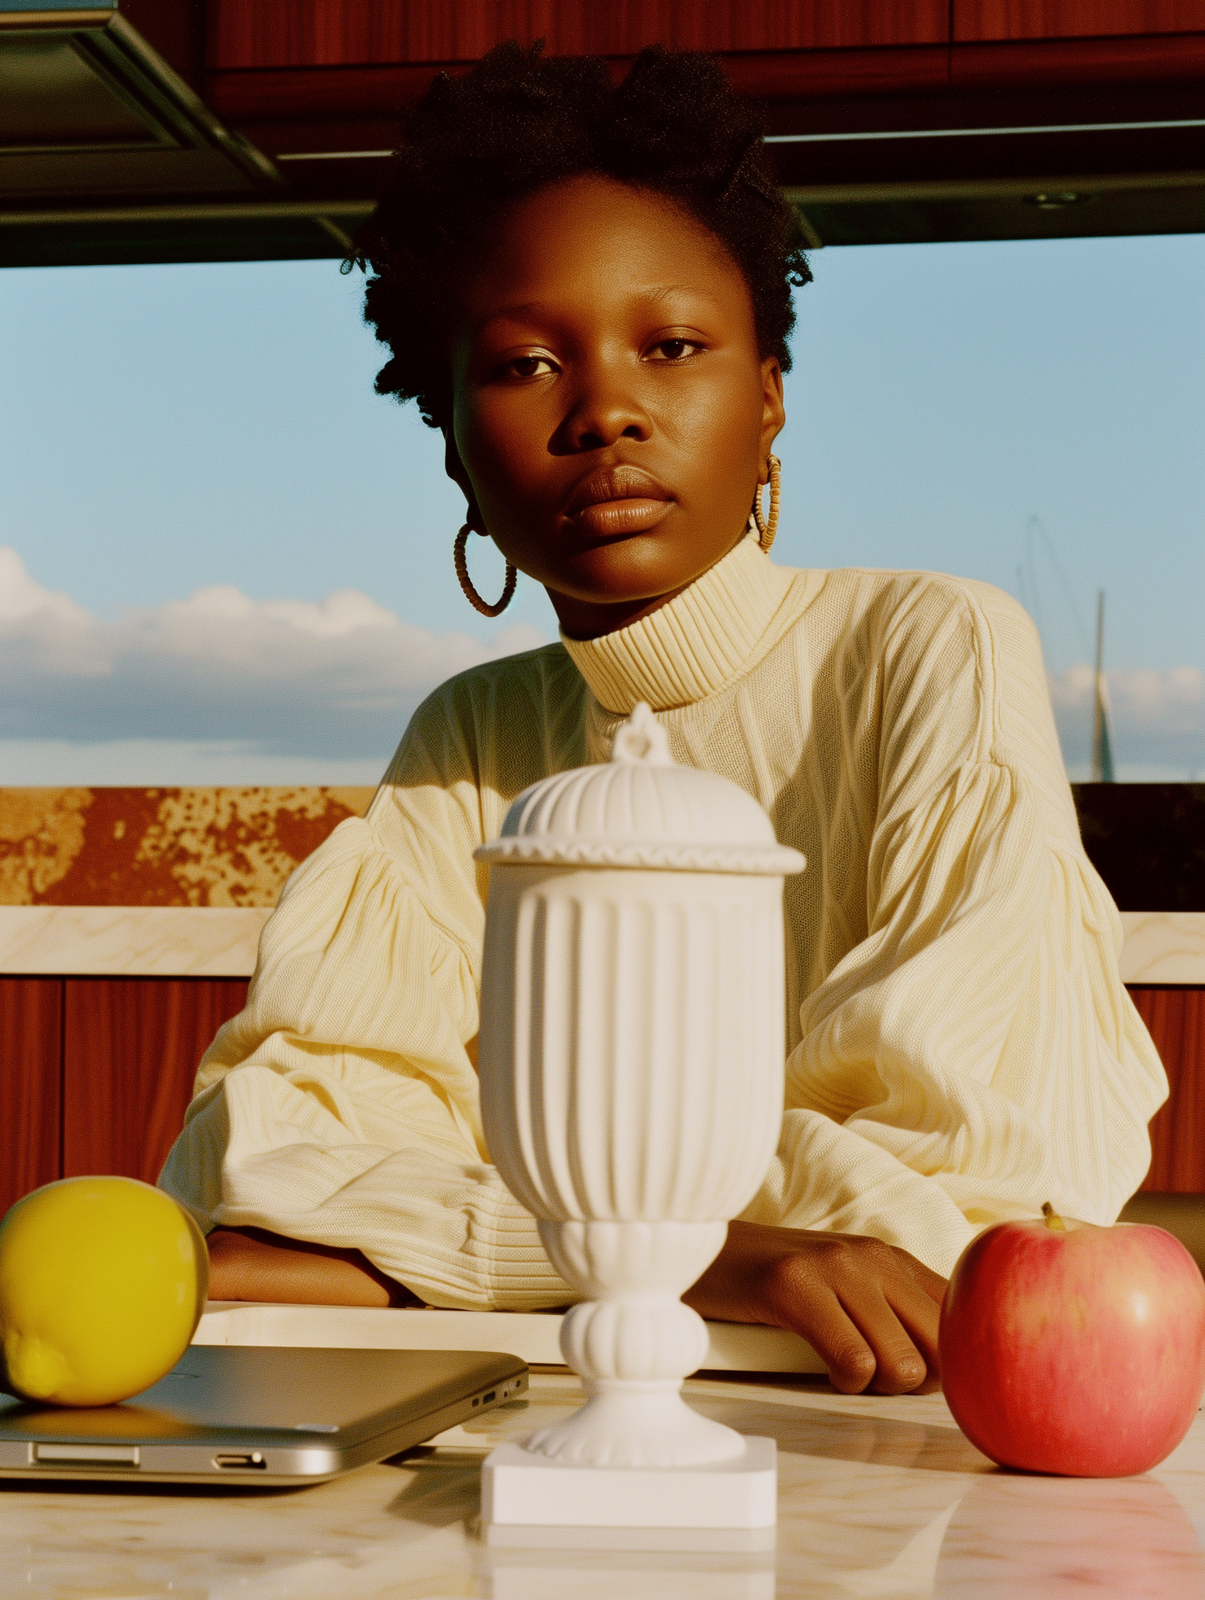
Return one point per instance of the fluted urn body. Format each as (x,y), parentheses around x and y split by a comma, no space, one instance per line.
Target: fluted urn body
(631,1060)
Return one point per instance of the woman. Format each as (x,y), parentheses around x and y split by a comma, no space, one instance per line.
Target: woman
(588,290)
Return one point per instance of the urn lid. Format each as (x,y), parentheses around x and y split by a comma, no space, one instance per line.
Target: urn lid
(641,809)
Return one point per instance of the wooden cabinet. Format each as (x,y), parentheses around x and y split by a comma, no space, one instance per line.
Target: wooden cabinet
(130,1053)
(95,1073)
(976,20)
(1176,1019)
(31,1084)
(328,33)
(337,33)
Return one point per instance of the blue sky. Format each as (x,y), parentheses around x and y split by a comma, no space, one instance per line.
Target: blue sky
(167,430)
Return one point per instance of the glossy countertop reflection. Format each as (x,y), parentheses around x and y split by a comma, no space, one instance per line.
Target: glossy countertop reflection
(877,1497)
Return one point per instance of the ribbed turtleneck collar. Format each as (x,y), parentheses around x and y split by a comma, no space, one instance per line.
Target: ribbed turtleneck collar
(697,643)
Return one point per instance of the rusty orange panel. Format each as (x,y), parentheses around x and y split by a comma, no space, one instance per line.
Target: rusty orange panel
(161,847)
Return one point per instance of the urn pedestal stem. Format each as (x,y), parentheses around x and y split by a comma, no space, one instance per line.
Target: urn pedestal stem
(633,1342)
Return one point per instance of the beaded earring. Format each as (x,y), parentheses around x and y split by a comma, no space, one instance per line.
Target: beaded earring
(767,527)
(466,583)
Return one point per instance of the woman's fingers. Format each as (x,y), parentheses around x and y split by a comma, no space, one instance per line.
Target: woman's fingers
(864,1346)
(899,1322)
(933,1284)
(851,1361)
(899,1366)
(916,1301)
(869,1309)
(920,1315)
(869,1318)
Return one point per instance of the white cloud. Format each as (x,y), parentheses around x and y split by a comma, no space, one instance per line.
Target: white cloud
(155,763)
(223,684)
(335,680)
(1157,718)
(21,597)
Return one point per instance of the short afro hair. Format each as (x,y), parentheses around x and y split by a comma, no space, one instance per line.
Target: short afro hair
(518,122)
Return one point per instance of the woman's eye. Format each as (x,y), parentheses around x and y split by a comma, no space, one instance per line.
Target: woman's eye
(675,349)
(530,367)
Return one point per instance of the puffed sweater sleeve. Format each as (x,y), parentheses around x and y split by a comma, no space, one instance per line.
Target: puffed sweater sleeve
(341,1107)
(975,1053)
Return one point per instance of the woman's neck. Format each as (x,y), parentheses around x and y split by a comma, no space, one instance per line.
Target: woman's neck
(594,619)
(710,634)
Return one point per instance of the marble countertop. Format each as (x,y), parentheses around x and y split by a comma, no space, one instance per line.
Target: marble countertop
(131,941)
(877,1497)
(221,941)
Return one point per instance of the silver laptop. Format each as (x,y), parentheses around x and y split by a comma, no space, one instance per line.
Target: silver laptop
(256,1414)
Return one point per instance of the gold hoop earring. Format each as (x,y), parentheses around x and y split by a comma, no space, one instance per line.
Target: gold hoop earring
(767,527)
(466,583)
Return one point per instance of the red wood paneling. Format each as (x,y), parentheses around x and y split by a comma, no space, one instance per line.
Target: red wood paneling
(1176,1019)
(176,29)
(264,101)
(301,33)
(31,1013)
(114,1058)
(333,75)
(1071,19)
(1037,65)
(130,1052)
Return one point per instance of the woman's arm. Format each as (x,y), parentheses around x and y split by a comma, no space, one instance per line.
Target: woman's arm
(253,1264)
(974,1053)
(340,1107)
(869,1310)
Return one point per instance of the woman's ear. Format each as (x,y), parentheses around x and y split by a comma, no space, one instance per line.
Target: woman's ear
(773,411)
(454,467)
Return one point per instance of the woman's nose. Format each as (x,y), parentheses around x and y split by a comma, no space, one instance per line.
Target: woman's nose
(604,411)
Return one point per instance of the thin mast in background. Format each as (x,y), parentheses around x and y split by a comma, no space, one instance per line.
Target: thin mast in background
(1102,744)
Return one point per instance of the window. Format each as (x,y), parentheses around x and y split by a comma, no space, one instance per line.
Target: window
(230,562)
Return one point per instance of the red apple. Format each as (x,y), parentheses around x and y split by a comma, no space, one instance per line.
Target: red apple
(1074,1349)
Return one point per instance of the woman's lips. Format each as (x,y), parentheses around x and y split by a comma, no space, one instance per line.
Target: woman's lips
(609,517)
(618,500)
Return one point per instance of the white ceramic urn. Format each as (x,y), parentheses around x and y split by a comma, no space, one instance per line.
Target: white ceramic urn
(631,1062)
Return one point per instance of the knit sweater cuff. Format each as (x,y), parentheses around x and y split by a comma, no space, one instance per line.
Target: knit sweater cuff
(504,1244)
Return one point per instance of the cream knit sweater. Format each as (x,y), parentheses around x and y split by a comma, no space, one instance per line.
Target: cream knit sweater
(960,1046)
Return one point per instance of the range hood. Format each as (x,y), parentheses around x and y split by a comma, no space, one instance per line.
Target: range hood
(107,154)
(888,124)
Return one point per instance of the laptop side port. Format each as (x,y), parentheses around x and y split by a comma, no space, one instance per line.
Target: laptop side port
(240,1460)
(101,1456)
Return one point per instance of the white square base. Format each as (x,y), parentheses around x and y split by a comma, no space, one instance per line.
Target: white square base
(723,1501)
(606,1574)
(704,1542)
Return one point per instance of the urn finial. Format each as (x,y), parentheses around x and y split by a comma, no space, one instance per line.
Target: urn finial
(640,810)
(642,738)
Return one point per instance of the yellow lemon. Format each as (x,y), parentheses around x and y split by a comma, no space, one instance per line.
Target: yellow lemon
(102,1283)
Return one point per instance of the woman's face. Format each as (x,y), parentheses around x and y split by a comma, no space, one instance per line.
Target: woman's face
(612,416)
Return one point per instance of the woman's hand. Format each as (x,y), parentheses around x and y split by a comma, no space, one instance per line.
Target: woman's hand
(868,1309)
(253,1264)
